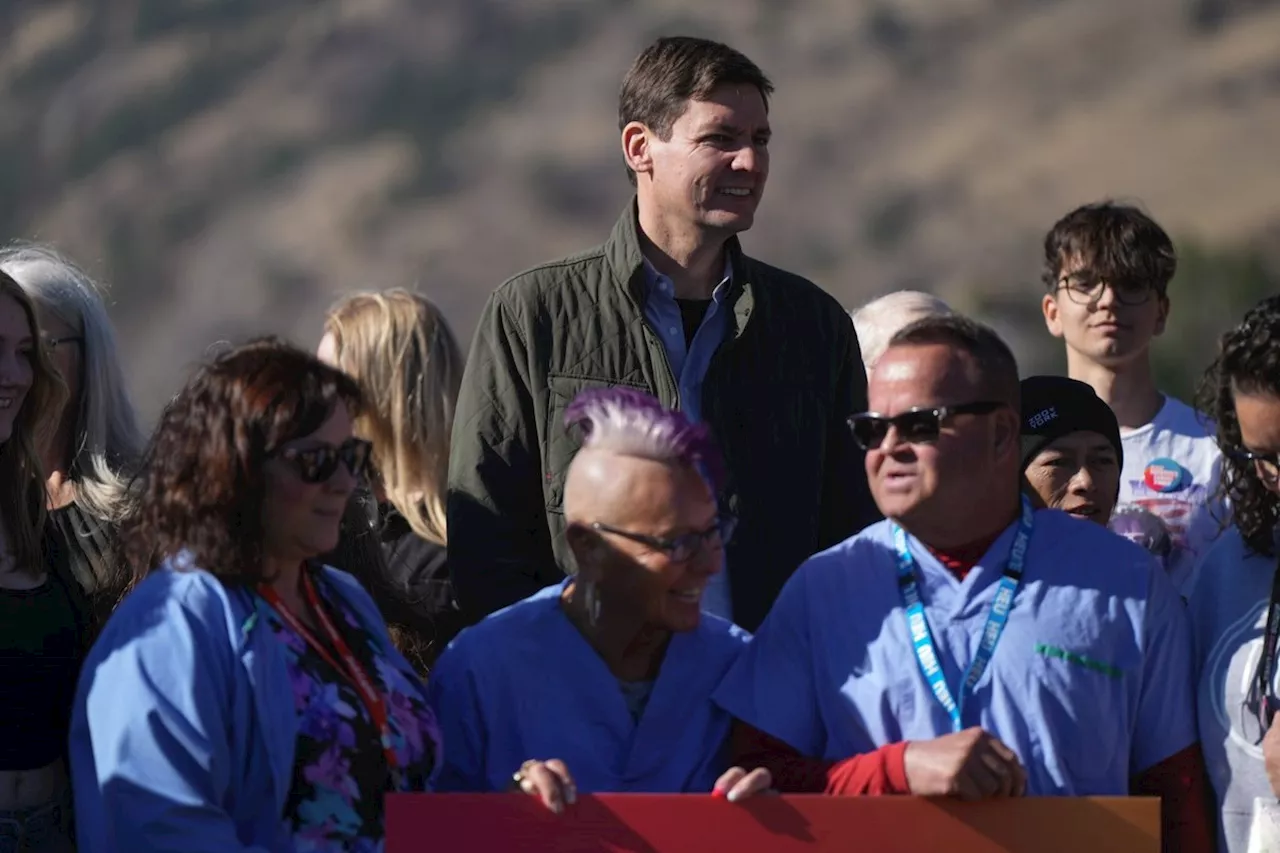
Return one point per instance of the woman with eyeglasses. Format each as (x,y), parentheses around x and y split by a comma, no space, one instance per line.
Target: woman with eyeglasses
(42,632)
(243,696)
(91,447)
(612,669)
(1235,594)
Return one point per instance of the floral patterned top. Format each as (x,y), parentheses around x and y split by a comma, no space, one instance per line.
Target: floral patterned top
(340,774)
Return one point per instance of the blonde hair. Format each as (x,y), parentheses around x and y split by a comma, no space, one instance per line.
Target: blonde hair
(22,486)
(106,439)
(398,347)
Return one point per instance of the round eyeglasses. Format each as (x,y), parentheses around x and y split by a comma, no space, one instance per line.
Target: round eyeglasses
(1086,288)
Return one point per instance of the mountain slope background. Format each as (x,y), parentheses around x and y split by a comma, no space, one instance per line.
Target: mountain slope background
(231,166)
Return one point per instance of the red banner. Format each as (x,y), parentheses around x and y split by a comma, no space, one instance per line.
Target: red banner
(642,823)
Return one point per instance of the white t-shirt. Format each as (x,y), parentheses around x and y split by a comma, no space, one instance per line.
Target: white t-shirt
(1171,469)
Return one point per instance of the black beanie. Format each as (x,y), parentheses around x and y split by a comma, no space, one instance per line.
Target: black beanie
(1054,406)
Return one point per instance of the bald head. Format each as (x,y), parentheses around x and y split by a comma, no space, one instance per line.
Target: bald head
(619,489)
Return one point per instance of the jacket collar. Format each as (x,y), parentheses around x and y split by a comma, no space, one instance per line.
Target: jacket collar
(626,267)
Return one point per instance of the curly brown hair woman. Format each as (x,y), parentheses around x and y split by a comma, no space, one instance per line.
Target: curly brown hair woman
(1235,598)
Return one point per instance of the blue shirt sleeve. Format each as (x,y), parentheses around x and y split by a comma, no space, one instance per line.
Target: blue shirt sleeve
(151,761)
(454,698)
(773,686)
(1166,721)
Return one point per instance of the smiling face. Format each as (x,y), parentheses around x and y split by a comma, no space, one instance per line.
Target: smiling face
(17,342)
(1078,473)
(711,171)
(300,519)
(1105,330)
(647,498)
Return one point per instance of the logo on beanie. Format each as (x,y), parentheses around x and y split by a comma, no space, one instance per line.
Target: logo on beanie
(1165,475)
(1042,417)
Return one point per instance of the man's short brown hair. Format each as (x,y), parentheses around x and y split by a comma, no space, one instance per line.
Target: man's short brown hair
(675,70)
(1115,242)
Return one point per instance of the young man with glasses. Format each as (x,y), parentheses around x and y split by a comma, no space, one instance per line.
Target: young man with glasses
(1107,268)
(970,645)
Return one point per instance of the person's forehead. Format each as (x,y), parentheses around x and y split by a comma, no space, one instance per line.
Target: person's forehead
(739,105)
(1083,439)
(926,371)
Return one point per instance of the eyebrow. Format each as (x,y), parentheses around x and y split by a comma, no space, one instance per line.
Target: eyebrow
(720,126)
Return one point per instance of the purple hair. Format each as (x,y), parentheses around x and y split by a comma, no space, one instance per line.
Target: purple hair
(634,423)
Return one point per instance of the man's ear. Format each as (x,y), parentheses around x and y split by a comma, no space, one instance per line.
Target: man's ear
(1052,318)
(1008,433)
(636,148)
(1162,313)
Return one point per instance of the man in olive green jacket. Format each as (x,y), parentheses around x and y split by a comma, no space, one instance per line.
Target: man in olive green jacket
(669,305)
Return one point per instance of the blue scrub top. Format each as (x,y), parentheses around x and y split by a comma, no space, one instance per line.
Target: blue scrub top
(1091,682)
(524,683)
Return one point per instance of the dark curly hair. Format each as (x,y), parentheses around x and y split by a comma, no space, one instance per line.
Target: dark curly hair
(202,484)
(1248,362)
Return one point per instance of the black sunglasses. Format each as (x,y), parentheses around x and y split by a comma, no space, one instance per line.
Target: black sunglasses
(318,464)
(914,426)
(679,548)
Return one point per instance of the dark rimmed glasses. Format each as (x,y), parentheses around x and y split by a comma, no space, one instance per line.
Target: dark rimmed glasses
(920,425)
(1086,288)
(51,343)
(318,464)
(1266,464)
(678,549)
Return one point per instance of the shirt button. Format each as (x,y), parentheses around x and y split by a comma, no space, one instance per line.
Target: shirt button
(671,330)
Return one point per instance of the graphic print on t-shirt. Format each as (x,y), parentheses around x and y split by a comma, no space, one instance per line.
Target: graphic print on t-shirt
(1171,470)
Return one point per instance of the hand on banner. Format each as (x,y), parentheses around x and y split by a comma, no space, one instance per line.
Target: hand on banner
(549,781)
(1271,755)
(736,784)
(971,765)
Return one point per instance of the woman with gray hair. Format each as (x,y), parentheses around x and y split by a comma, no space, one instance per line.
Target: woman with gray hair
(91,446)
(613,669)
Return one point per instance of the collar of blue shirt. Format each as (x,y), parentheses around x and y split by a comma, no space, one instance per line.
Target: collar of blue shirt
(666,286)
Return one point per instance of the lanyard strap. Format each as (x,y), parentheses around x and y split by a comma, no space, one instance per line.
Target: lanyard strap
(1267,663)
(349,667)
(918,625)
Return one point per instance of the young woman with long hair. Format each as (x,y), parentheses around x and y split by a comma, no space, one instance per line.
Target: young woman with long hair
(42,630)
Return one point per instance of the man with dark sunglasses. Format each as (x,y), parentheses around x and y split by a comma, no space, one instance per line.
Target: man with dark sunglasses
(1107,269)
(970,645)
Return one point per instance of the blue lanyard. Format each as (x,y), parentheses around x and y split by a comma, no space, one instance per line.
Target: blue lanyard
(918,626)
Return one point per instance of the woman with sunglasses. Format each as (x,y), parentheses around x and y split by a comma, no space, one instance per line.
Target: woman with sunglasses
(612,669)
(244,697)
(42,632)
(1235,595)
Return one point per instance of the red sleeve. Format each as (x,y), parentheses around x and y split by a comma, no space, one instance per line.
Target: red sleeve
(874,773)
(1187,805)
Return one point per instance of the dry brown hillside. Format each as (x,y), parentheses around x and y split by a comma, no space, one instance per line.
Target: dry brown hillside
(230,166)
